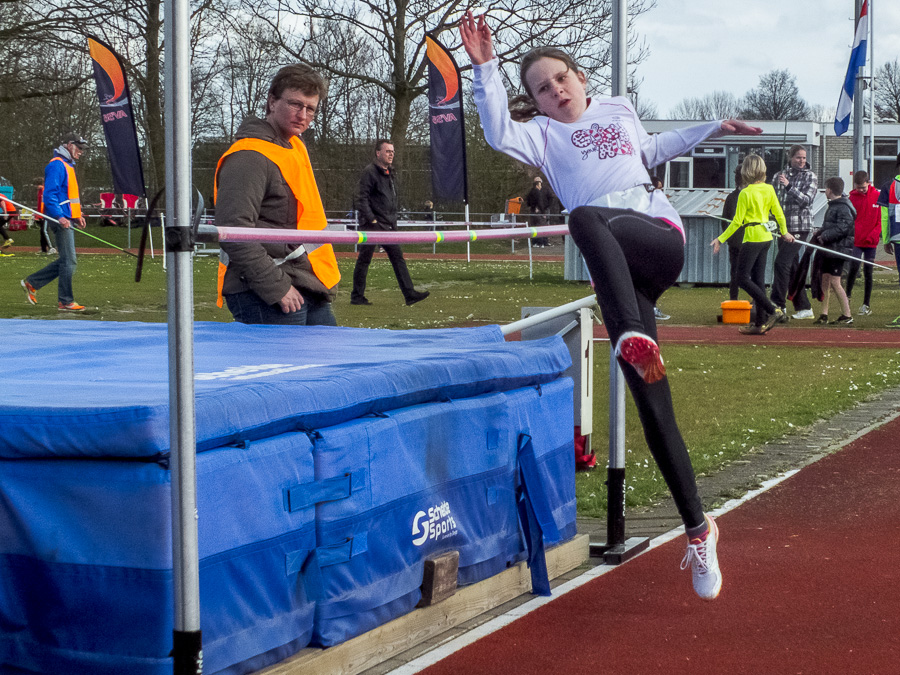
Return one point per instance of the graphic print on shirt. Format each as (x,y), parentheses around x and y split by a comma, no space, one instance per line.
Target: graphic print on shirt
(605,141)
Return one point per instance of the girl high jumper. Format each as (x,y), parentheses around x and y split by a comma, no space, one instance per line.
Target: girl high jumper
(595,153)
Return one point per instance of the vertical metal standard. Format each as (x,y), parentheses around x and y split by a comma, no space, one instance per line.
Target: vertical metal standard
(615,508)
(187,642)
(619,45)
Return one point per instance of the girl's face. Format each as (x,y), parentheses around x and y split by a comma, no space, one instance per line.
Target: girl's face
(558,91)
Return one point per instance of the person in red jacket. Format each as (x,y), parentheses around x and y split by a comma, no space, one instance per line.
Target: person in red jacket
(867,232)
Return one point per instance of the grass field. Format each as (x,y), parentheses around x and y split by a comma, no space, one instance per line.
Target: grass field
(729,399)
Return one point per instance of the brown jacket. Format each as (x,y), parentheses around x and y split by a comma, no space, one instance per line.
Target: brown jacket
(253,193)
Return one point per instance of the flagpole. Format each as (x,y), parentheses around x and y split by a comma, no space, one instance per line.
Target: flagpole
(871,165)
(859,102)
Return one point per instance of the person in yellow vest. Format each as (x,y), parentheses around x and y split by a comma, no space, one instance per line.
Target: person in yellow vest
(265,180)
(63,203)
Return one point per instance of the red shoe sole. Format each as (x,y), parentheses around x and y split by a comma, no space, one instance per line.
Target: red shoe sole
(643,354)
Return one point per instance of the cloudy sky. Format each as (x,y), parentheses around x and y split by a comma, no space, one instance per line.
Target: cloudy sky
(700,47)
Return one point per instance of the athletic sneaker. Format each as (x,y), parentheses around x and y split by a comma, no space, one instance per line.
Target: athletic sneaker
(751,330)
(893,324)
(659,315)
(823,318)
(704,562)
(844,319)
(30,292)
(7,243)
(642,353)
(804,314)
(775,317)
(864,310)
(70,307)
(784,316)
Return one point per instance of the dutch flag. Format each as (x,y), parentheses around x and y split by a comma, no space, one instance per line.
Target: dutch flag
(857,61)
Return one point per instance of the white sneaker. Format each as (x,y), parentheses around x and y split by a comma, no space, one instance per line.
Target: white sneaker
(659,315)
(704,562)
(804,314)
(864,310)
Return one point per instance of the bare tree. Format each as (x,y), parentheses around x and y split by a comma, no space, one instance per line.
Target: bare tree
(887,92)
(133,28)
(395,32)
(775,98)
(719,105)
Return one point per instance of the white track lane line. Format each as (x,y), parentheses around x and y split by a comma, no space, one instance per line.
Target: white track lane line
(495,624)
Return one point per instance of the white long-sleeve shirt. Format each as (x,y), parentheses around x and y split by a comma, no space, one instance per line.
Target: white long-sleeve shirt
(605,151)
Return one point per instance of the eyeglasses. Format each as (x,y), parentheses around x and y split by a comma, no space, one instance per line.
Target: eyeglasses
(300,107)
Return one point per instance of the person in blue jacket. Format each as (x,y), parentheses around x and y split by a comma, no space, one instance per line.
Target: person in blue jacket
(62,203)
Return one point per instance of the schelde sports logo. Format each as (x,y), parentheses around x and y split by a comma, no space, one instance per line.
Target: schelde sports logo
(435,524)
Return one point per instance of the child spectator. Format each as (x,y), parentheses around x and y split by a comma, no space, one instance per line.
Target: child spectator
(755,203)
(867,232)
(835,234)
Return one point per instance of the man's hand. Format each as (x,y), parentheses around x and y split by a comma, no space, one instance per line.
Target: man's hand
(292,301)
(80,223)
(65,222)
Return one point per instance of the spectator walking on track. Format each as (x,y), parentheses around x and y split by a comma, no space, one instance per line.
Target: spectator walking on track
(835,234)
(755,203)
(63,203)
(376,206)
(538,202)
(595,153)
(796,189)
(866,233)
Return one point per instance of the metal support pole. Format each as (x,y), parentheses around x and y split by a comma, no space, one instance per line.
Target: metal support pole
(187,640)
(617,549)
(619,48)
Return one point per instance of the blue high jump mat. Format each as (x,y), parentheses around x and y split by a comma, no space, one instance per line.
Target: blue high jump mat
(331,463)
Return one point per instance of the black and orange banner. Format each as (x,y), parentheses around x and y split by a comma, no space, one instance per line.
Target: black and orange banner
(448,135)
(118,120)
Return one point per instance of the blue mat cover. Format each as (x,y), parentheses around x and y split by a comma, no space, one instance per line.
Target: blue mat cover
(335,462)
(86,561)
(427,480)
(104,391)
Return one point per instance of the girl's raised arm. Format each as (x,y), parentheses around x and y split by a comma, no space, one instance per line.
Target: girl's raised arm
(476,38)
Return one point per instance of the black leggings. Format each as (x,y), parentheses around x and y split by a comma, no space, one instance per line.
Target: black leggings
(632,259)
(751,273)
(862,254)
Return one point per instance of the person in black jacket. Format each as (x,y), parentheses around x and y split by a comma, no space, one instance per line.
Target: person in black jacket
(376,207)
(836,234)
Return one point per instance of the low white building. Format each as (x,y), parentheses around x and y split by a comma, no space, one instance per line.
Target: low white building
(711,164)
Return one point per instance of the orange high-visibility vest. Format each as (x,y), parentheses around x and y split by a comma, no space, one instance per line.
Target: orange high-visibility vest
(74,200)
(297,171)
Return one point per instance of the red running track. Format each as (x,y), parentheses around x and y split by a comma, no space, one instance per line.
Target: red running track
(812,586)
(805,335)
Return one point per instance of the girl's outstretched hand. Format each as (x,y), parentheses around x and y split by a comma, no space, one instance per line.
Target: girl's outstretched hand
(476,38)
(740,128)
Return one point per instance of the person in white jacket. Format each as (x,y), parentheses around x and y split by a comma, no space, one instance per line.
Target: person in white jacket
(595,154)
